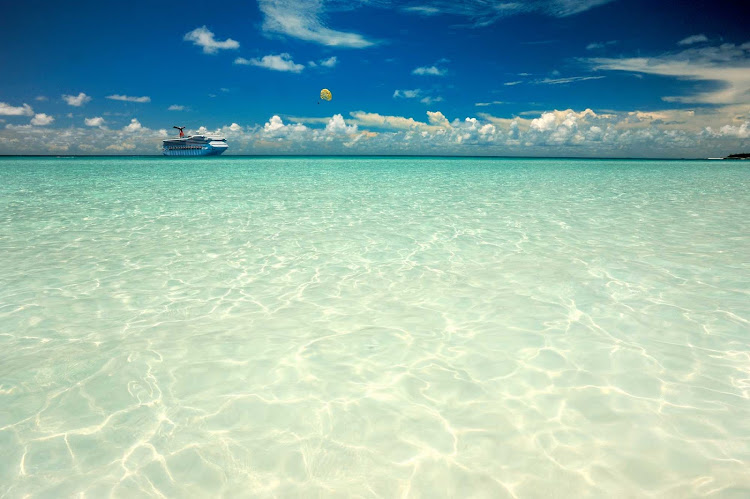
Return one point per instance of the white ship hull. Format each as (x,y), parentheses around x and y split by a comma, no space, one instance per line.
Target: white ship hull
(201,151)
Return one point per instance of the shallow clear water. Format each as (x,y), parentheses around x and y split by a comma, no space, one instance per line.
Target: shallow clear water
(374,327)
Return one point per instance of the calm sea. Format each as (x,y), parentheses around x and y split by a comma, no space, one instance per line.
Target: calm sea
(374,327)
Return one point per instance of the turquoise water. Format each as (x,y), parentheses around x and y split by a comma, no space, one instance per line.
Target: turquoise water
(378,327)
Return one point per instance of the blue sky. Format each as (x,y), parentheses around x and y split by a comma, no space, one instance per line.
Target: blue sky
(469,77)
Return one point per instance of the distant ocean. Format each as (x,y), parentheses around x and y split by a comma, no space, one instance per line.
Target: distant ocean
(374,327)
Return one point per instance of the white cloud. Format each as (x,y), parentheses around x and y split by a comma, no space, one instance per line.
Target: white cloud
(83,139)
(326,63)
(544,123)
(429,70)
(570,79)
(8,110)
(305,19)
(484,13)
(423,9)
(437,118)
(554,81)
(488,129)
(329,63)
(727,63)
(693,39)
(703,131)
(176,107)
(276,126)
(599,45)
(42,119)
(741,131)
(281,62)
(41,98)
(485,104)
(96,121)
(381,121)
(407,94)
(203,37)
(123,146)
(430,100)
(77,100)
(338,125)
(275,123)
(128,98)
(134,126)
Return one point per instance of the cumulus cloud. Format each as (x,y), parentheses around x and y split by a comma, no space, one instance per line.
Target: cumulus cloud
(76,100)
(437,118)
(41,98)
(693,39)
(338,125)
(96,121)
(281,62)
(704,131)
(389,122)
(42,119)
(127,98)
(276,126)
(134,126)
(176,107)
(727,64)
(488,129)
(82,139)
(204,38)
(305,20)
(122,146)
(8,110)
(560,127)
(741,131)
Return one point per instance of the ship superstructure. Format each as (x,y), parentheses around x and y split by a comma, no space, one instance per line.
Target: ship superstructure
(194,145)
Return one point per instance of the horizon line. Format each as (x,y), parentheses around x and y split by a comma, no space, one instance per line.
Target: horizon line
(363,156)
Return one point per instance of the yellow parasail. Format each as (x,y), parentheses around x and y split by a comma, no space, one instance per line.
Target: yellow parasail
(325,94)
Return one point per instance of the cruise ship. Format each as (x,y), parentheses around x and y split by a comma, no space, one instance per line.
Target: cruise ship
(194,145)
